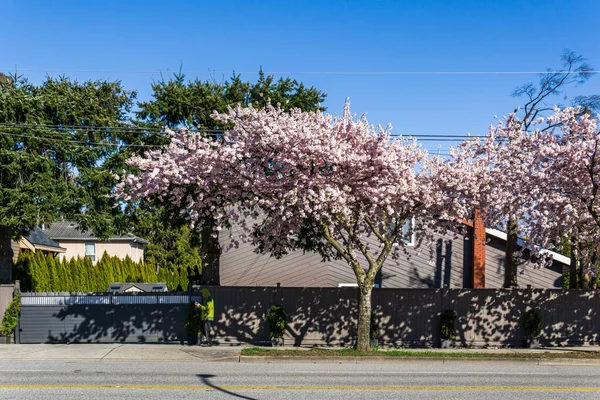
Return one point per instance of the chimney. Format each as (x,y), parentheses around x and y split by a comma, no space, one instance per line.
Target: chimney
(479,240)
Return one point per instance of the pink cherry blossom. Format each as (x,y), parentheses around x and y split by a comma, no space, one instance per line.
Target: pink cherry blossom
(335,185)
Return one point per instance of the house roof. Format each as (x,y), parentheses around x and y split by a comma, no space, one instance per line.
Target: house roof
(555,256)
(36,236)
(37,240)
(119,287)
(69,230)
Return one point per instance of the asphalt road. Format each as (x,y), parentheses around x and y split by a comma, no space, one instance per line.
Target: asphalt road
(46,380)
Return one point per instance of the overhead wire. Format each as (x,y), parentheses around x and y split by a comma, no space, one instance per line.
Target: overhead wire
(367,73)
(63,128)
(77,142)
(5,127)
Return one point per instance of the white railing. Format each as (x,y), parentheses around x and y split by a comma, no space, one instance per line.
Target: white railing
(108,299)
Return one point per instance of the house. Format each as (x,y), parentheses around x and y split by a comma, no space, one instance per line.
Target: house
(34,241)
(474,261)
(126,287)
(77,242)
(37,240)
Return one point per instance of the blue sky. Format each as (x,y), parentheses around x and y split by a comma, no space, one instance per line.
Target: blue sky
(134,41)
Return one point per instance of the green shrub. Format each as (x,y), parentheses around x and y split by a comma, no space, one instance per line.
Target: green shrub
(533,323)
(448,324)
(594,281)
(11,316)
(276,320)
(373,327)
(40,273)
(194,320)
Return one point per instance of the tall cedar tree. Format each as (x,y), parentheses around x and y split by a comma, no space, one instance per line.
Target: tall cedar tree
(38,273)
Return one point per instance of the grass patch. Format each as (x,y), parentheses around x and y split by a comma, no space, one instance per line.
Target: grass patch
(320,352)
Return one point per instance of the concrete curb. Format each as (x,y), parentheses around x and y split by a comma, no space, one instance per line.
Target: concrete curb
(417,360)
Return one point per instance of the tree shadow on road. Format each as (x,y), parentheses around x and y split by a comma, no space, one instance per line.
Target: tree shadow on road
(205,379)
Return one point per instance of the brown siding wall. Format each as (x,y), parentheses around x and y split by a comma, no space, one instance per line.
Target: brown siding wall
(528,273)
(445,261)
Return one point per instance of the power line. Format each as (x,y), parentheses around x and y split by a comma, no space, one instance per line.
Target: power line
(216,132)
(208,72)
(87,144)
(79,142)
(84,144)
(63,128)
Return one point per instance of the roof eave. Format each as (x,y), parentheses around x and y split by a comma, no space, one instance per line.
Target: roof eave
(26,244)
(555,256)
(94,239)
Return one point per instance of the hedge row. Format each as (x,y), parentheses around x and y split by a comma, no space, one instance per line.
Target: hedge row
(40,273)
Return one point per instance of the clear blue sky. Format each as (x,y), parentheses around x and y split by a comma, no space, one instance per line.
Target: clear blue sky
(128,39)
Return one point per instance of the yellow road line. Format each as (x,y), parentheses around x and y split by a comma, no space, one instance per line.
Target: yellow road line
(315,387)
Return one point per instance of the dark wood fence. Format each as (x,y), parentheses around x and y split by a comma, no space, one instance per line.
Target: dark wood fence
(316,316)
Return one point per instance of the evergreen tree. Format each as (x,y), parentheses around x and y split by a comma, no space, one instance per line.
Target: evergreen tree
(56,155)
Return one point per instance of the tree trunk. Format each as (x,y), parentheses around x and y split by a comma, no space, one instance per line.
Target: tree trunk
(584,281)
(510,270)
(573,265)
(210,252)
(594,263)
(6,255)
(363,337)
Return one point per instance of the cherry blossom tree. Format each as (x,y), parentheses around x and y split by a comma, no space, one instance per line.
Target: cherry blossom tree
(335,185)
(575,71)
(492,174)
(548,174)
(568,175)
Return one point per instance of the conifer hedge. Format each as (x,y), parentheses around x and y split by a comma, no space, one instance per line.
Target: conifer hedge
(40,273)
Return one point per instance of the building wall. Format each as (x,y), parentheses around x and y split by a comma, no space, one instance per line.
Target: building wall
(6,295)
(446,261)
(15,248)
(528,273)
(76,249)
(137,252)
(424,265)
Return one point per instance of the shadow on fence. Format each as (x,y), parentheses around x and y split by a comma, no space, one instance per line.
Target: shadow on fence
(321,316)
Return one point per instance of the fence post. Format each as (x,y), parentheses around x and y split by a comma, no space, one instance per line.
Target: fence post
(17,333)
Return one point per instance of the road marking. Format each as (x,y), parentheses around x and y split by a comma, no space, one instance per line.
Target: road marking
(316,388)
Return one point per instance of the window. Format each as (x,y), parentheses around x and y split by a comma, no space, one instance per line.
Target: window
(407,235)
(90,251)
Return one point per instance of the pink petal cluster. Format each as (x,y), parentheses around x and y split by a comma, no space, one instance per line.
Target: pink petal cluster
(548,177)
(341,176)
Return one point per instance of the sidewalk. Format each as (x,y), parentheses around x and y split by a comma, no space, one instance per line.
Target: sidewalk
(118,352)
(176,352)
